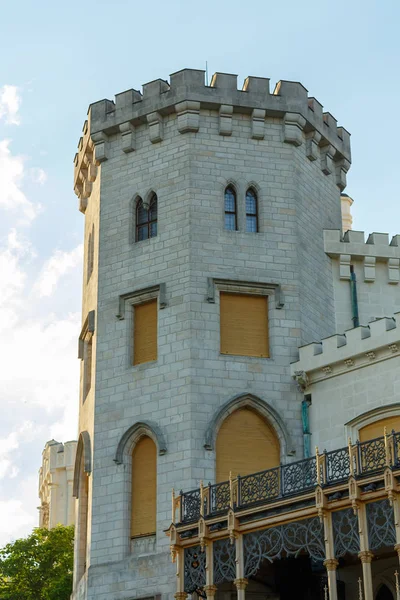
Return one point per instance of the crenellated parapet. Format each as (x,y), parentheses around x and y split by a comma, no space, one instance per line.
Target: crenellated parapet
(303,119)
(341,353)
(353,246)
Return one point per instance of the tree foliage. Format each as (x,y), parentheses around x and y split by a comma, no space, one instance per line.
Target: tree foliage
(38,567)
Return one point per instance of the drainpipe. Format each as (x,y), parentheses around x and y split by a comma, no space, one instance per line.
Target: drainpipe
(305,405)
(354,301)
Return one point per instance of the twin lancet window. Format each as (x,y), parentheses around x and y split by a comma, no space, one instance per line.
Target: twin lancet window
(231,209)
(146,219)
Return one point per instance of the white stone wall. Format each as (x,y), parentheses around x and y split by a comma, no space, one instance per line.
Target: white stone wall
(339,400)
(353,379)
(55,484)
(376,266)
(190,381)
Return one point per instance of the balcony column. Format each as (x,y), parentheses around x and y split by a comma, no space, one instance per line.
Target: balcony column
(365,555)
(396,512)
(210,589)
(240,581)
(180,575)
(330,562)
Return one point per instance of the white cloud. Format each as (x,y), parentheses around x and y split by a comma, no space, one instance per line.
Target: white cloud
(11,443)
(39,384)
(10,102)
(56,267)
(15,520)
(38,176)
(12,198)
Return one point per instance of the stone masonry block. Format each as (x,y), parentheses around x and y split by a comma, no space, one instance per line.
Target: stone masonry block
(188,116)
(225,119)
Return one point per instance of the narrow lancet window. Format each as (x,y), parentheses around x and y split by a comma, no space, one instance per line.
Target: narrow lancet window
(146,219)
(230,209)
(251,211)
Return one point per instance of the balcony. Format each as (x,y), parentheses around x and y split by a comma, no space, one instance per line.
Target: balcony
(338,507)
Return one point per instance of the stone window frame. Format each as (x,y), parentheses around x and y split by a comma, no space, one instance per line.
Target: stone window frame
(241,187)
(147,206)
(367,418)
(90,255)
(231,187)
(146,199)
(132,299)
(216,285)
(251,189)
(85,346)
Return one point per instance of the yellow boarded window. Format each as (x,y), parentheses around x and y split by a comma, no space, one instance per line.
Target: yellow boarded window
(246,444)
(145,332)
(376,429)
(244,324)
(144,488)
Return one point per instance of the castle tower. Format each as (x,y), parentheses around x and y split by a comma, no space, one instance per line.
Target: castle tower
(204,271)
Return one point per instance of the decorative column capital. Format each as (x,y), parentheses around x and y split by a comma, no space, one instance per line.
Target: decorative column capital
(180,595)
(241,583)
(210,590)
(366,556)
(331,564)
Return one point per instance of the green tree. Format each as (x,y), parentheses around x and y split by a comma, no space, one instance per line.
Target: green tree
(38,567)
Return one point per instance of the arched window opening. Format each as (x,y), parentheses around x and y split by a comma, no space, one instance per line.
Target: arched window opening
(144,488)
(83,520)
(146,219)
(230,209)
(384,593)
(90,254)
(376,429)
(251,211)
(246,444)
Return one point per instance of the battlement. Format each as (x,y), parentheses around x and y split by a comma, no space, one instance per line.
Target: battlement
(186,94)
(188,85)
(352,350)
(352,247)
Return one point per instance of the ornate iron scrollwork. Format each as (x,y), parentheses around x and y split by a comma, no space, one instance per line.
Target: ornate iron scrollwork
(299,476)
(224,561)
(345,532)
(191,506)
(337,465)
(258,487)
(381,528)
(195,569)
(372,455)
(291,538)
(219,497)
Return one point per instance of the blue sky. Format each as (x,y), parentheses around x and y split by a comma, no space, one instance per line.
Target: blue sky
(59,57)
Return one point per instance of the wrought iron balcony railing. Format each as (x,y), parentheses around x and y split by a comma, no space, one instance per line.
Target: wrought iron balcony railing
(329,468)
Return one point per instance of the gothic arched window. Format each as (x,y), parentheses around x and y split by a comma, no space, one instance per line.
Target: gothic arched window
(144,488)
(246,443)
(251,211)
(230,209)
(146,219)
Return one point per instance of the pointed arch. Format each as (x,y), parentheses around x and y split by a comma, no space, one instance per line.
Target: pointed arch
(387,415)
(230,208)
(83,459)
(251,210)
(144,488)
(132,435)
(259,406)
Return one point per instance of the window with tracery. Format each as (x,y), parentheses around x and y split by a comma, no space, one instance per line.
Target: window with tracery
(251,211)
(146,219)
(230,207)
